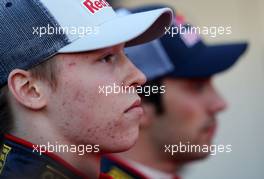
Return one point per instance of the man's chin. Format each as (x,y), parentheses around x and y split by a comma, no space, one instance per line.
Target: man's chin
(200,156)
(117,149)
(122,145)
(191,157)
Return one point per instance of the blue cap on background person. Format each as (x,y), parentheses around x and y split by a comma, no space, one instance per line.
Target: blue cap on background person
(191,57)
(156,62)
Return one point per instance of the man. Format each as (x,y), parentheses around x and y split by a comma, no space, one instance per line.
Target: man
(54,120)
(178,126)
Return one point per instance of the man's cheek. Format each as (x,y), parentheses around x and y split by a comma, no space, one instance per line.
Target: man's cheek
(187,112)
(112,107)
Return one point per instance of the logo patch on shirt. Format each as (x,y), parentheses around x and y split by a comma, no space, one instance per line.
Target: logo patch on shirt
(95,5)
(52,173)
(3,155)
(116,173)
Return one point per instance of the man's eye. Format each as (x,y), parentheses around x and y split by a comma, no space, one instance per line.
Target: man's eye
(108,59)
(199,86)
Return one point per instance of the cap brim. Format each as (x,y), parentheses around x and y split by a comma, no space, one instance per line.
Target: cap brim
(211,60)
(131,29)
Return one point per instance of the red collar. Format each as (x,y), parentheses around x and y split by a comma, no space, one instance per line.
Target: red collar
(105,176)
(51,155)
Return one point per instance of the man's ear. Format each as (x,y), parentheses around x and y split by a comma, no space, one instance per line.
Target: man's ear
(149,115)
(26,90)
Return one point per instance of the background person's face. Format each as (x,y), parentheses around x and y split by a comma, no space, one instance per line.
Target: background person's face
(191,106)
(83,114)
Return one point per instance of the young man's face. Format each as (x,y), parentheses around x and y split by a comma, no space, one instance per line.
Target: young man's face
(84,114)
(191,106)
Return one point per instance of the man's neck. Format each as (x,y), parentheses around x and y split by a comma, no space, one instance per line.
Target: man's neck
(41,133)
(145,152)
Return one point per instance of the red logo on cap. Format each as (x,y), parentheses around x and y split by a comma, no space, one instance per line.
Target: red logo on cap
(95,5)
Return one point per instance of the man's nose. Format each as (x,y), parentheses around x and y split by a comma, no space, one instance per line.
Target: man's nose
(217,103)
(134,77)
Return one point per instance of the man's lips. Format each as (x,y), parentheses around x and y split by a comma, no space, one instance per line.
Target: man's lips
(136,104)
(211,129)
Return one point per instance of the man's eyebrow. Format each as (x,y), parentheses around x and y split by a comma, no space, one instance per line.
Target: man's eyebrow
(94,51)
(94,54)
(104,50)
(202,79)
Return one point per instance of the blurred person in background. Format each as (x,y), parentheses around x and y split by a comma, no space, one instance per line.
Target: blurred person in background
(186,114)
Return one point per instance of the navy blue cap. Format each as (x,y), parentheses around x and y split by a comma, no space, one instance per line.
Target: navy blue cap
(192,58)
(156,62)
